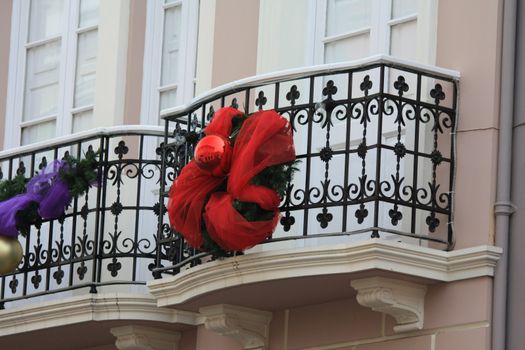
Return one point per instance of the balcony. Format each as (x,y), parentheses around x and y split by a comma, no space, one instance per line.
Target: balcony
(376,144)
(373,196)
(107,237)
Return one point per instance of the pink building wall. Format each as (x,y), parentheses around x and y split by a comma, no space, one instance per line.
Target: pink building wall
(472,45)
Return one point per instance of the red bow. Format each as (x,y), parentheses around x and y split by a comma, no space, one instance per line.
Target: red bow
(265,139)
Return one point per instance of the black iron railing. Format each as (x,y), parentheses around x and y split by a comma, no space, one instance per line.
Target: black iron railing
(106,237)
(376,143)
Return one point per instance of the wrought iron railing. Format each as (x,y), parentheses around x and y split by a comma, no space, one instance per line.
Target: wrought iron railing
(376,141)
(108,236)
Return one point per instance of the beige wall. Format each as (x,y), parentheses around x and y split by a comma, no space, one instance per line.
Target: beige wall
(188,340)
(471,45)
(137,31)
(235,40)
(457,316)
(5,33)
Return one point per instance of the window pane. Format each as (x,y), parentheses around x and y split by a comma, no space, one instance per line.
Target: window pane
(171,45)
(82,121)
(86,68)
(168,99)
(402,8)
(347,49)
(88,13)
(41,89)
(46,19)
(403,40)
(39,132)
(344,16)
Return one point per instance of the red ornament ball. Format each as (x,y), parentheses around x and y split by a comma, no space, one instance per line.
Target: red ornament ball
(213,154)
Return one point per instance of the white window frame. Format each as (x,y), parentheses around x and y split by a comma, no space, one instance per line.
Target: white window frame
(72,62)
(379,28)
(17,71)
(151,88)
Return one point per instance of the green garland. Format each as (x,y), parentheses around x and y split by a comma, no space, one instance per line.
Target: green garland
(13,187)
(27,217)
(78,175)
(275,177)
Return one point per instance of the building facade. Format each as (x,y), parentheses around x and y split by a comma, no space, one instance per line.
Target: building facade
(395,232)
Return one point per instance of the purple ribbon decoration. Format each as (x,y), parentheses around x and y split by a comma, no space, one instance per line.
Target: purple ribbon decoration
(45,189)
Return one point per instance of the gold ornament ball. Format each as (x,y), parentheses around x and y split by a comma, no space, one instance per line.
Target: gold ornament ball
(10,254)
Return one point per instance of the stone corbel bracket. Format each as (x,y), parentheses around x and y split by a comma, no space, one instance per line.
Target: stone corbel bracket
(249,327)
(145,338)
(403,300)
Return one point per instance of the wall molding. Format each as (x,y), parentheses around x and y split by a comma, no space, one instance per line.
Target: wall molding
(374,254)
(249,327)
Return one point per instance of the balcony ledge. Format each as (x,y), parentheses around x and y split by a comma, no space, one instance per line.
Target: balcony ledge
(90,307)
(363,259)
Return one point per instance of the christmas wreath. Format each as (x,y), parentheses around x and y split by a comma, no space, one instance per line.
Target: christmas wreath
(45,196)
(227,198)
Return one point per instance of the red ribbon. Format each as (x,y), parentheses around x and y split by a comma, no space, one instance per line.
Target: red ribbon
(265,139)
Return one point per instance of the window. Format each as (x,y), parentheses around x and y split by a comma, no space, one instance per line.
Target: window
(169,59)
(52,69)
(352,29)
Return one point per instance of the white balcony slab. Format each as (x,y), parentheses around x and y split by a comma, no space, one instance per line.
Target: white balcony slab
(90,307)
(363,259)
